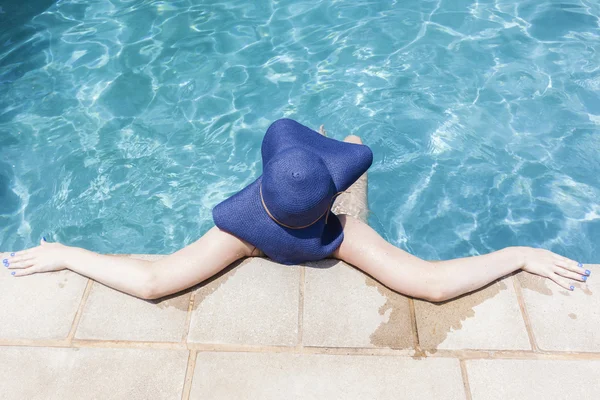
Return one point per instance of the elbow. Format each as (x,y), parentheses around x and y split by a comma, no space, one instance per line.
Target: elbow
(146,294)
(150,288)
(436,289)
(435,295)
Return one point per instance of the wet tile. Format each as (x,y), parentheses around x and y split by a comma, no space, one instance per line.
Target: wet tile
(60,373)
(39,306)
(486,319)
(563,320)
(533,379)
(112,315)
(254,303)
(315,376)
(343,307)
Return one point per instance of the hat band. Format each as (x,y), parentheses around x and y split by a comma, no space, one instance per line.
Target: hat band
(326,213)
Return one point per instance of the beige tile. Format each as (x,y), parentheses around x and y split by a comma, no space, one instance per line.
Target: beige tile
(486,319)
(563,320)
(59,373)
(254,303)
(111,315)
(39,306)
(533,379)
(343,307)
(309,376)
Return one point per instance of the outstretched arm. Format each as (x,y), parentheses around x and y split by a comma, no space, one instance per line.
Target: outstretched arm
(145,279)
(439,281)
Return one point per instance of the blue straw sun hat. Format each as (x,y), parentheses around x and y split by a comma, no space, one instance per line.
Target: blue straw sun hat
(285,212)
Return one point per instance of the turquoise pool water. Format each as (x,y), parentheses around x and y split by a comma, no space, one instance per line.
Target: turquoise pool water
(122,123)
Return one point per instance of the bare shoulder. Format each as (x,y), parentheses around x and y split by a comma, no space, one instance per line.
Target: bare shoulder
(232,243)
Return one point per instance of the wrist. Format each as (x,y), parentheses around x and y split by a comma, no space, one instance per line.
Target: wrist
(519,254)
(71,254)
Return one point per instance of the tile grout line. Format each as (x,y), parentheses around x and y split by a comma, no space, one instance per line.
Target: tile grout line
(468,354)
(124,344)
(301,307)
(414,328)
(525,314)
(78,314)
(368,351)
(465,377)
(188,317)
(189,375)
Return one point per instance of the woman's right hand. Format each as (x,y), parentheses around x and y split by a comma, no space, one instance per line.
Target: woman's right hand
(550,265)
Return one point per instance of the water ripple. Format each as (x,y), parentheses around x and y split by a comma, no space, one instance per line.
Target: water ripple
(123,123)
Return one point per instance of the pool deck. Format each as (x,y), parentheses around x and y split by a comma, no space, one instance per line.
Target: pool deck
(323,330)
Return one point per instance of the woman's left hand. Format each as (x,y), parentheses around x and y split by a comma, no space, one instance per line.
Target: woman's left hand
(46,257)
(553,266)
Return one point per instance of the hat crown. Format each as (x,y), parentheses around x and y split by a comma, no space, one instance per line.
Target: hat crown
(297,187)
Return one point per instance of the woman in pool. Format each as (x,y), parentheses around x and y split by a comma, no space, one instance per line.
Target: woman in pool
(285,215)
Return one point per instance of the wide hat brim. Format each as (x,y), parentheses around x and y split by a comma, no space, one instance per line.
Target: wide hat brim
(244,216)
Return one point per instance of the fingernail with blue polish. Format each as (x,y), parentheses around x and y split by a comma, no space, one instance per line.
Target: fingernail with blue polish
(12,254)
(580,265)
(584,278)
(587,272)
(572,287)
(12,273)
(5,260)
